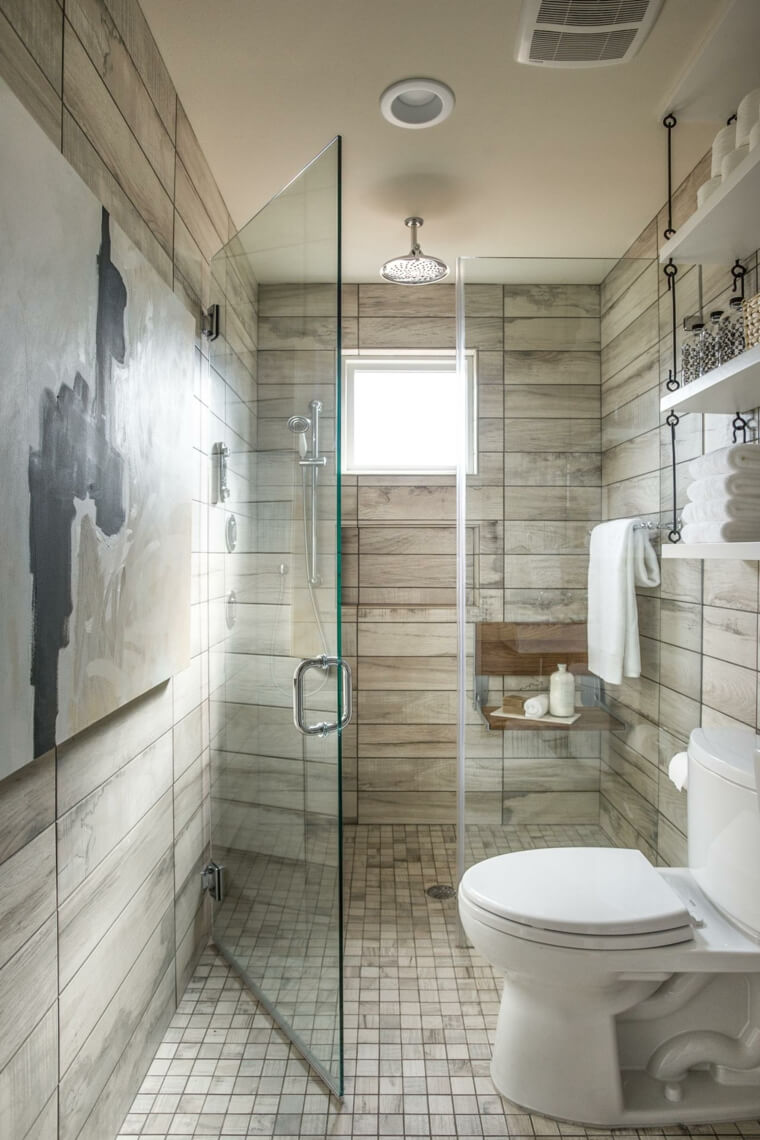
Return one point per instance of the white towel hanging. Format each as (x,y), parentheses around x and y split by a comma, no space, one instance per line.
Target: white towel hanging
(620,558)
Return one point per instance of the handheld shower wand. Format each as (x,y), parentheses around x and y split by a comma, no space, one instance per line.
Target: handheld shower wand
(300,425)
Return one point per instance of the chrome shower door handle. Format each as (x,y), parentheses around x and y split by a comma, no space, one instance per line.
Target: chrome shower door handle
(325,663)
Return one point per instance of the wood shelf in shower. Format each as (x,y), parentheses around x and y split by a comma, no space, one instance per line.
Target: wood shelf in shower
(590,720)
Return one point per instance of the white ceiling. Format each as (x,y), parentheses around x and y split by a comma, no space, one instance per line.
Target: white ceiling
(533,162)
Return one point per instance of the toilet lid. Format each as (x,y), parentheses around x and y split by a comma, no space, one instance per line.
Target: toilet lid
(577,890)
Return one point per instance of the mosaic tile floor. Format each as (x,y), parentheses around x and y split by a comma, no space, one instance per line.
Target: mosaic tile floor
(419,1012)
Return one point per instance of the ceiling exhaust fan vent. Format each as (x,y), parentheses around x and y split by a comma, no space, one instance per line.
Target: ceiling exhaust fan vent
(583,33)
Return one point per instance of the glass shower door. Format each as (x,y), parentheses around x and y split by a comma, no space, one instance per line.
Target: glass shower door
(279,690)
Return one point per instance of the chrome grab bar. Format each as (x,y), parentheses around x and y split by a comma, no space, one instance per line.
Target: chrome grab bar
(325,663)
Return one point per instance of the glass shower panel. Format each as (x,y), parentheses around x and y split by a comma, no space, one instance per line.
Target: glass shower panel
(275,541)
(568,365)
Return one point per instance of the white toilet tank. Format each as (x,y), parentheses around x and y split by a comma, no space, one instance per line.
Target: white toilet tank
(724,821)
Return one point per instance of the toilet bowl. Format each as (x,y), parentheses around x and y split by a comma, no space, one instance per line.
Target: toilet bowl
(632,993)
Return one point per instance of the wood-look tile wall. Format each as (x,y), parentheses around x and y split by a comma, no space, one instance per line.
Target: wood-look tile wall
(101,913)
(537,490)
(700,627)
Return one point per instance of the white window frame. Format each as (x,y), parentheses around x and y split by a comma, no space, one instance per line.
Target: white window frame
(408,360)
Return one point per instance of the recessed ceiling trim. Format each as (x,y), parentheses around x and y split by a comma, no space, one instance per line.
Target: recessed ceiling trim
(417,103)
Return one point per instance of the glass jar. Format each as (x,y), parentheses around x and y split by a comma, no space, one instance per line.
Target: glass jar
(688,361)
(721,342)
(736,317)
(708,351)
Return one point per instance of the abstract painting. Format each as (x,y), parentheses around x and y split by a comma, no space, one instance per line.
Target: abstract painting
(95,455)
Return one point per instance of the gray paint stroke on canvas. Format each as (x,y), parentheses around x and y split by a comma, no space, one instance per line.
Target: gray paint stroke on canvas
(75,460)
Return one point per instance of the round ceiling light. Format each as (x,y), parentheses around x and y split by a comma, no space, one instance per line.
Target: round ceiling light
(417,103)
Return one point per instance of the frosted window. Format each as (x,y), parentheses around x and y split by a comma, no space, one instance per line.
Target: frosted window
(402,416)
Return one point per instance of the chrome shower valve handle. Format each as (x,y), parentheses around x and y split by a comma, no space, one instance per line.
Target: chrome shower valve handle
(325,663)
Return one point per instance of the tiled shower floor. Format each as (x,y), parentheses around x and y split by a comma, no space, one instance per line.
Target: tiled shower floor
(419,1011)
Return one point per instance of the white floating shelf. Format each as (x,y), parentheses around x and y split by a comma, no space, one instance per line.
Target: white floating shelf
(733,387)
(744,550)
(727,226)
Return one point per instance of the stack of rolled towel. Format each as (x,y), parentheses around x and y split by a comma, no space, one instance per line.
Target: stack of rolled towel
(724,499)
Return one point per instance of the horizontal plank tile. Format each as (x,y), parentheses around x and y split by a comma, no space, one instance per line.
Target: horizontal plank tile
(631,343)
(400,807)
(86,915)
(105,47)
(552,434)
(407,673)
(631,303)
(28,897)
(96,824)
(199,173)
(556,571)
(28,987)
(88,994)
(552,468)
(28,81)
(90,103)
(29,1079)
(545,605)
(551,807)
(401,774)
(730,688)
(377,504)
(138,38)
(730,635)
(426,741)
(407,540)
(550,775)
(89,759)
(89,164)
(558,367)
(552,401)
(407,570)
(552,333)
(386,300)
(414,639)
(560,503)
(551,301)
(194,214)
(98,1089)
(546,537)
(39,26)
(636,456)
(415,707)
(407,332)
(27,804)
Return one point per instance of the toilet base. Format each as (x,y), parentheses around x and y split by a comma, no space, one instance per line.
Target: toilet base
(564,1063)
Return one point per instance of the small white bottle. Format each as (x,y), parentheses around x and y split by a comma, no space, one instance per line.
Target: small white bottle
(561,692)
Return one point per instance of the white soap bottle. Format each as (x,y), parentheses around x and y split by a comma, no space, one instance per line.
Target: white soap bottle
(561,692)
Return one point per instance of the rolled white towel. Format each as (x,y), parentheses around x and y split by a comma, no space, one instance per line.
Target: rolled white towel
(537,706)
(723,510)
(719,486)
(723,143)
(721,532)
(744,457)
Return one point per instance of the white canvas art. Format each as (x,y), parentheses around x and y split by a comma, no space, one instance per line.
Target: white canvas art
(95,455)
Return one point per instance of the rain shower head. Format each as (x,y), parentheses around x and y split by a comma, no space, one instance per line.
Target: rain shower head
(415,268)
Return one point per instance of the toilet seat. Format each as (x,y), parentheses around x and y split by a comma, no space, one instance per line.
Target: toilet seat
(578,897)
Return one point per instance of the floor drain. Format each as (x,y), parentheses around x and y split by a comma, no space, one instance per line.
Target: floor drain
(440,891)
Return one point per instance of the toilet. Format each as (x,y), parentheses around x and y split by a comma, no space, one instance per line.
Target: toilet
(632,993)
